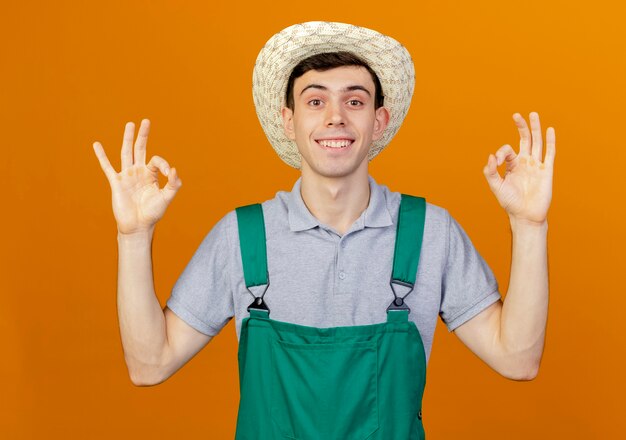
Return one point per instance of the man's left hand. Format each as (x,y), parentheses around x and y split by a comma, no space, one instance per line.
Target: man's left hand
(525,191)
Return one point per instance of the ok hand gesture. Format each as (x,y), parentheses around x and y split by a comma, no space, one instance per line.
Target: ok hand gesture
(525,191)
(138,202)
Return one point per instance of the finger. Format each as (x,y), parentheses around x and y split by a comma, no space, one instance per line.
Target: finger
(109,172)
(535,128)
(524,134)
(505,153)
(550,147)
(491,173)
(157,163)
(140,143)
(172,186)
(127,146)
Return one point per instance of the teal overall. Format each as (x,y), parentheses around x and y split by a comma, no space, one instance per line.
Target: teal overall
(360,382)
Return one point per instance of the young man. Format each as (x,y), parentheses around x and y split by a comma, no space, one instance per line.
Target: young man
(345,351)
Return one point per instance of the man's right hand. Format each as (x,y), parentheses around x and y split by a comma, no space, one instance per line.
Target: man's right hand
(138,202)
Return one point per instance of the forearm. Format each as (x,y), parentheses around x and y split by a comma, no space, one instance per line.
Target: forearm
(525,308)
(141,319)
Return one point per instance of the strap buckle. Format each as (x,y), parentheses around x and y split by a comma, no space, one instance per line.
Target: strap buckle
(258,303)
(398,302)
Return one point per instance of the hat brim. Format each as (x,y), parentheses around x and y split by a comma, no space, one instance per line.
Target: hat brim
(390,61)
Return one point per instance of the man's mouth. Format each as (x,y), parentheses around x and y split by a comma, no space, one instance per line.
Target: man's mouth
(335,143)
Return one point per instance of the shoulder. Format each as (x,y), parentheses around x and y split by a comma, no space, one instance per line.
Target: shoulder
(221,234)
(437,217)
(278,205)
(275,214)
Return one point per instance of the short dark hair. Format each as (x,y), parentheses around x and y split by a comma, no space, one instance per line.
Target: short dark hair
(330,60)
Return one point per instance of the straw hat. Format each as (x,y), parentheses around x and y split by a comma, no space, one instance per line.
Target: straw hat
(388,58)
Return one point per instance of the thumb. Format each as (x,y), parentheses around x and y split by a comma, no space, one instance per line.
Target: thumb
(172,186)
(491,173)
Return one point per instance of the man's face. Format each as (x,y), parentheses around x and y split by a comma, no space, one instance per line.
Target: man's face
(334,121)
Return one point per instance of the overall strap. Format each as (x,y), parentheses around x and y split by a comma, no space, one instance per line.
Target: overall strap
(409,236)
(251,226)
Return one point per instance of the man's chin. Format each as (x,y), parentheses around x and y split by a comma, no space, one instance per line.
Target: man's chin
(334,171)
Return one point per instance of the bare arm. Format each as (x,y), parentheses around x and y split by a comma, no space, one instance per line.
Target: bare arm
(510,336)
(156,343)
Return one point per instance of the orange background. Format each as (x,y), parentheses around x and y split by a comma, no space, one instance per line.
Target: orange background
(75,72)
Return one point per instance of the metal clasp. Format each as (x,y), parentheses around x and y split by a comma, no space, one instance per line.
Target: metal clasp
(398,302)
(258,303)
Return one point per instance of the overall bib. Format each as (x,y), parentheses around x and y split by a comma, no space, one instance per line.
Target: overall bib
(340,383)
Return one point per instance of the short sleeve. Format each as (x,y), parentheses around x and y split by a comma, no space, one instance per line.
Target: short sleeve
(468,284)
(202,295)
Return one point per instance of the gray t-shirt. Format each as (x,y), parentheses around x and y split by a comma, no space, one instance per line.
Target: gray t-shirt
(321,279)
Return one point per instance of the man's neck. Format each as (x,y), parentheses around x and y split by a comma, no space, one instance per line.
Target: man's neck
(336,202)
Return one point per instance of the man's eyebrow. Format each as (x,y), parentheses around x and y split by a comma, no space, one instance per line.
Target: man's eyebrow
(353,88)
(345,89)
(313,86)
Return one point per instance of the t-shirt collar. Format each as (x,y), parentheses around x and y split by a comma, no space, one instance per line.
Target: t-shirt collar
(376,214)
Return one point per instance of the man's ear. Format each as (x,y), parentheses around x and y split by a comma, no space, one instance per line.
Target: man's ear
(287,114)
(382,120)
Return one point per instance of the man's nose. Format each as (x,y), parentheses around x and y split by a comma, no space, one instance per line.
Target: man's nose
(334,114)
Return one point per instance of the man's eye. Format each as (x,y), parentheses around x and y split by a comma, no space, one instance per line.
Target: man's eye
(355,102)
(315,102)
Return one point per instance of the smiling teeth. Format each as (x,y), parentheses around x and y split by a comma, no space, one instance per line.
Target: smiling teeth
(335,144)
